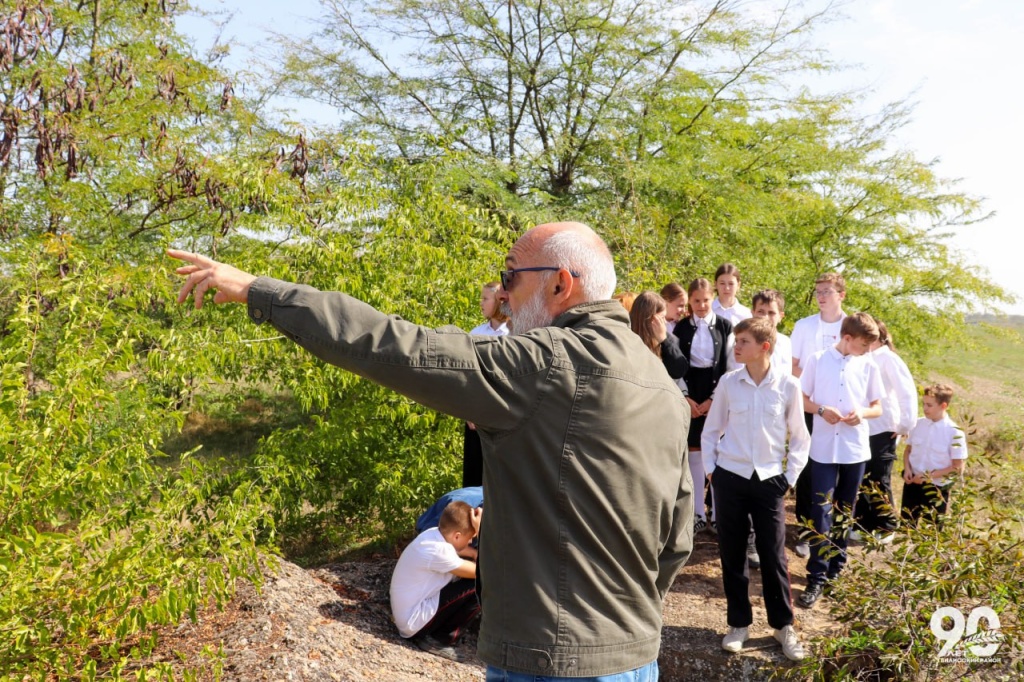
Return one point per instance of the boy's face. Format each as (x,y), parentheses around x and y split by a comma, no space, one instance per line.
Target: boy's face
(460,540)
(854,345)
(828,297)
(933,409)
(700,302)
(769,311)
(747,350)
(676,308)
(727,286)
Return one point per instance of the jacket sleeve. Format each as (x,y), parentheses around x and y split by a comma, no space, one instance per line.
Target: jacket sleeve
(673,358)
(491,381)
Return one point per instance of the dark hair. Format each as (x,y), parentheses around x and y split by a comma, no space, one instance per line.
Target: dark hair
(641,318)
(728,269)
(883,334)
(769,296)
(672,291)
(758,327)
(861,326)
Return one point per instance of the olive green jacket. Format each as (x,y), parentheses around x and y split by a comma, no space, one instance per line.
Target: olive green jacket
(589,513)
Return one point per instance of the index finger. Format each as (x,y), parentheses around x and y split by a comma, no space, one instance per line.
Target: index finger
(194,258)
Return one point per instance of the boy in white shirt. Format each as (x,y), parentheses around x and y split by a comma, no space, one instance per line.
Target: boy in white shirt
(810,335)
(937,448)
(433,588)
(843,389)
(770,304)
(744,451)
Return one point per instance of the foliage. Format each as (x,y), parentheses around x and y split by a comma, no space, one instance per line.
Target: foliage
(679,131)
(886,600)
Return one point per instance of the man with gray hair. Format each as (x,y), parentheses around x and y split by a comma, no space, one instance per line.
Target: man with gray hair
(589,516)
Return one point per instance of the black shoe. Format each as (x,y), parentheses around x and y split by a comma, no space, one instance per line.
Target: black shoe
(811,594)
(432,646)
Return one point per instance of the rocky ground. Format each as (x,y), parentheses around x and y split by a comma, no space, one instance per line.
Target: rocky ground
(333,623)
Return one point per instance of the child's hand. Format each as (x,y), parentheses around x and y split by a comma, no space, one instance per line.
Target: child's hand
(831,415)
(852,419)
(694,409)
(705,407)
(908,475)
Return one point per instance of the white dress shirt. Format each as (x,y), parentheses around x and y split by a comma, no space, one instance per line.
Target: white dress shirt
(899,406)
(782,354)
(934,445)
(746,428)
(487,330)
(847,383)
(735,313)
(702,349)
(811,335)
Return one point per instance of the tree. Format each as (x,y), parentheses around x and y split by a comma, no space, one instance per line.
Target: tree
(679,131)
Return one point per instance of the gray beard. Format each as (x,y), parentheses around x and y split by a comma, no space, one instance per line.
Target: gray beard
(530,316)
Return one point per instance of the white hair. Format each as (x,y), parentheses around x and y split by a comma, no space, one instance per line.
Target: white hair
(588,256)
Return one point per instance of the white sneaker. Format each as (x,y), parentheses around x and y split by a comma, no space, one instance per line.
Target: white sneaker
(885,537)
(803,549)
(791,646)
(734,641)
(855,536)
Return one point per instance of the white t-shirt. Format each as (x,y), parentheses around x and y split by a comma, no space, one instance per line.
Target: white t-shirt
(486,329)
(846,383)
(934,445)
(782,354)
(424,568)
(811,335)
(735,313)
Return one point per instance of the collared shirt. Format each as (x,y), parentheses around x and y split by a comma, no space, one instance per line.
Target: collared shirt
(934,445)
(847,383)
(735,313)
(702,351)
(811,335)
(746,428)
(782,354)
(899,406)
(487,330)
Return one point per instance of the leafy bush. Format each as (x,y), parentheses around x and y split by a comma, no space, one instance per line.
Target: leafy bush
(886,600)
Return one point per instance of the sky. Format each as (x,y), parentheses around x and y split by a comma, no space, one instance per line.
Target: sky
(957,60)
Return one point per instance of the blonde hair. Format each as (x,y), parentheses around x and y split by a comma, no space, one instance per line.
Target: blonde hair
(626,298)
(497,314)
(941,392)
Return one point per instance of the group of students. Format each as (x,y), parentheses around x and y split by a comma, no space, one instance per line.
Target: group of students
(820,412)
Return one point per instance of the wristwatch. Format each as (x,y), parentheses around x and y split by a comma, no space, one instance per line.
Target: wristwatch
(821,410)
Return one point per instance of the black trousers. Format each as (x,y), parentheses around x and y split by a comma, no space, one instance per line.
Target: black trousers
(874,503)
(762,502)
(924,500)
(457,608)
(472,459)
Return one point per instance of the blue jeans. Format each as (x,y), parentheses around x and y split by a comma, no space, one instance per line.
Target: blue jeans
(834,488)
(647,673)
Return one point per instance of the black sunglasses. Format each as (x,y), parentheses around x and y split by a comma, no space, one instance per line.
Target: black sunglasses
(508,275)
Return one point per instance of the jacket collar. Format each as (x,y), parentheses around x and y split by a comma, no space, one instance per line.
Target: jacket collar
(586,313)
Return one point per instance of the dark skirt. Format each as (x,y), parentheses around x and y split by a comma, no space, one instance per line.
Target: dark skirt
(700,382)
